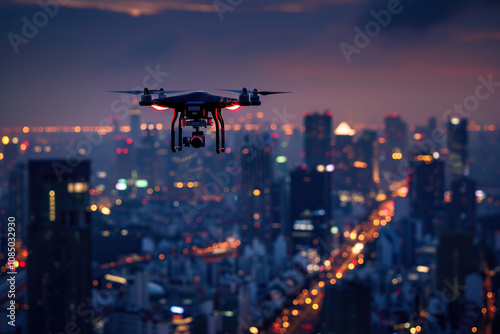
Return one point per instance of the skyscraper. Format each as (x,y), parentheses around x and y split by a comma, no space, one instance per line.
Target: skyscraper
(59,280)
(150,165)
(426,189)
(346,309)
(394,145)
(463,204)
(135,123)
(17,198)
(317,139)
(344,157)
(279,214)
(457,146)
(10,152)
(367,163)
(125,154)
(310,207)
(456,257)
(256,197)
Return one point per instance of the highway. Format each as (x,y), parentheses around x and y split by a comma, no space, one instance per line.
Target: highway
(304,314)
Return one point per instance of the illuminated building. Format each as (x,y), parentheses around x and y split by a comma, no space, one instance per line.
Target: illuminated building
(10,154)
(133,322)
(256,185)
(366,166)
(407,229)
(432,133)
(344,157)
(426,189)
(135,124)
(59,246)
(457,146)
(125,155)
(490,232)
(279,214)
(483,164)
(317,138)
(394,145)
(346,309)
(463,204)
(150,164)
(228,307)
(18,204)
(310,208)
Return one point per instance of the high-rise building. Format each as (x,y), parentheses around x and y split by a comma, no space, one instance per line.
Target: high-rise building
(393,146)
(256,186)
(407,228)
(490,233)
(346,309)
(344,157)
(279,213)
(18,205)
(317,139)
(125,157)
(135,123)
(228,307)
(10,153)
(457,146)
(59,280)
(366,165)
(456,257)
(310,207)
(431,128)
(463,204)
(150,165)
(426,189)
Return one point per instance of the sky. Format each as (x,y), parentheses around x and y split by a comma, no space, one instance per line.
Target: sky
(423,58)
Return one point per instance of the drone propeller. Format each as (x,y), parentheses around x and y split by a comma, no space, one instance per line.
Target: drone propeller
(265,92)
(244,90)
(148,91)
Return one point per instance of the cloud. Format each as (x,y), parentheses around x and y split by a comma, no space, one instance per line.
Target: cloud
(133,7)
(154,7)
(477,36)
(423,14)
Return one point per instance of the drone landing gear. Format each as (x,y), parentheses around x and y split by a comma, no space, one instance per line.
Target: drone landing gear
(172,132)
(198,139)
(219,131)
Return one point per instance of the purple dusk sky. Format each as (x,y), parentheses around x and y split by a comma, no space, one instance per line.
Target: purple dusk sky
(427,58)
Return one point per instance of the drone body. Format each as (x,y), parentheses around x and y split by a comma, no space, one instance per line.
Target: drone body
(198,110)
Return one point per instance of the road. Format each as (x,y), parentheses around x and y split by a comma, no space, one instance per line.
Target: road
(304,315)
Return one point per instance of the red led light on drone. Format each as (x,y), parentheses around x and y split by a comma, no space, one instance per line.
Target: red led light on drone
(157,107)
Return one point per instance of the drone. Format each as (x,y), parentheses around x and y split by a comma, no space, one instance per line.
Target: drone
(198,110)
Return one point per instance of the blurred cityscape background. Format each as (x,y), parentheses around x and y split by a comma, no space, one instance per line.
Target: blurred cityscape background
(368,201)
(319,227)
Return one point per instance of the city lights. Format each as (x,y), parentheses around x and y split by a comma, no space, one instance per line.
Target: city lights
(52,205)
(423,269)
(281,159)
(115,279)
(364,200)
